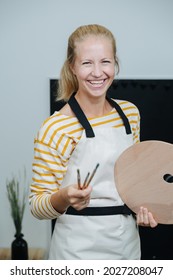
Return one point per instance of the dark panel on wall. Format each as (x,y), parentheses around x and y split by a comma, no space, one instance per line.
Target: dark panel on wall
(154,99)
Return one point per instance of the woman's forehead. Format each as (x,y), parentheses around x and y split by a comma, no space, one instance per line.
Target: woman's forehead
(90,43)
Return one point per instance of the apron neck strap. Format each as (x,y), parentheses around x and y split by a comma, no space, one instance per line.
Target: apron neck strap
(81,116)
(121,114)
(85,123)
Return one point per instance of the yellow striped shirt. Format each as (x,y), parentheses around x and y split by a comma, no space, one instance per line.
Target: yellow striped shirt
(53,147)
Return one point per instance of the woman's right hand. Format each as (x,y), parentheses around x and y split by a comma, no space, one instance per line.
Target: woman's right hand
(77,198)
(71,196)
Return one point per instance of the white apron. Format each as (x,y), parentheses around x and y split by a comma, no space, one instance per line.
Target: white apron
(104,236)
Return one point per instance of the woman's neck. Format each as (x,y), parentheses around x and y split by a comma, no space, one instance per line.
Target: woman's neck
(93,107)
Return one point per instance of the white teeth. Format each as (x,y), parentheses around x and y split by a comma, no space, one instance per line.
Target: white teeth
(96,82)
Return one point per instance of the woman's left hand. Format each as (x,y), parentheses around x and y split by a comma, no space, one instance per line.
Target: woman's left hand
(145,218)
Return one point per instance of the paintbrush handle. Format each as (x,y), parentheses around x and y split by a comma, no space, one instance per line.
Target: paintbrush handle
(85,181)
(78,179)
(92,175)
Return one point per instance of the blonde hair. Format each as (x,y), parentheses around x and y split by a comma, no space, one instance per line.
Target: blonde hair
(68,82)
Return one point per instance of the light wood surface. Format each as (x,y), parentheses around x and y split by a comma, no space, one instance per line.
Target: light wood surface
(34,254)
(139,178)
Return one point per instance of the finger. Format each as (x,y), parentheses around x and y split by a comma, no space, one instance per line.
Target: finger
(139,217)
(81,205)
(85,201)
(85,193)
(142,217)
(145,216)
(152,221)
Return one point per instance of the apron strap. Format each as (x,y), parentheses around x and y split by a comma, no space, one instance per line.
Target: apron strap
(81,116)
(121,113)
(85,123)
(100,211)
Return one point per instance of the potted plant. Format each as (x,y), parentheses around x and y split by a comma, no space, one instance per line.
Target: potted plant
(19,248)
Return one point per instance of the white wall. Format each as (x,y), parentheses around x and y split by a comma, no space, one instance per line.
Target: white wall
(33,38)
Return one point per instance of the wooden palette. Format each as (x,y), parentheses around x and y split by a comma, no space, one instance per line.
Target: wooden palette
(143,177)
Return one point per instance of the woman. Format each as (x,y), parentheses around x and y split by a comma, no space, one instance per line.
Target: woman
(92,221)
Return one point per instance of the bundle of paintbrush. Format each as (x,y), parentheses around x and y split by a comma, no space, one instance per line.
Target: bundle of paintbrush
(88,178)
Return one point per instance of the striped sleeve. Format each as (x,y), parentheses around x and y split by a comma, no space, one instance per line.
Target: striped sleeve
(51,154)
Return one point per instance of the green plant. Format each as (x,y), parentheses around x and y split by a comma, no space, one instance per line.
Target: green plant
(17,202)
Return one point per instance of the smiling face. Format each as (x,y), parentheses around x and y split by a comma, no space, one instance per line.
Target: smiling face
(94,65)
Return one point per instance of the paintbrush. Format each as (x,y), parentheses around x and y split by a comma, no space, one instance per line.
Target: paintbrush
(92,175)
(78,179)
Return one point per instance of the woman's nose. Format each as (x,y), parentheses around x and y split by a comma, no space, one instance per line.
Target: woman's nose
(97,70)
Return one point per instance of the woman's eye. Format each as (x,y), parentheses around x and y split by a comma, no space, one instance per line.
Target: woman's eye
(85,63)
(106,61)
